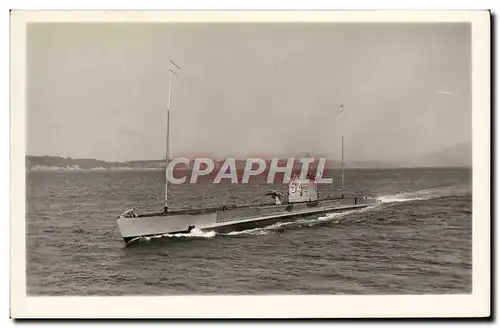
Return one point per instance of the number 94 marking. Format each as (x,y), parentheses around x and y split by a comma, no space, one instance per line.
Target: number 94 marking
(295,186)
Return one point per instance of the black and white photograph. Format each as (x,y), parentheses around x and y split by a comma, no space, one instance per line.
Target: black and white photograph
(225,154)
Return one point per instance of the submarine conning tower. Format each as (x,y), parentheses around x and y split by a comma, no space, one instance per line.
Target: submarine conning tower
(300,189)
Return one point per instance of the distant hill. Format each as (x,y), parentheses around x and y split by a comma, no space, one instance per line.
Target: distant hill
(455,156)
(62,162)
(89,163)
(54,162)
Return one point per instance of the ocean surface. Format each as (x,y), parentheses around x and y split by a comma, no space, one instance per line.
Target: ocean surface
(417,240)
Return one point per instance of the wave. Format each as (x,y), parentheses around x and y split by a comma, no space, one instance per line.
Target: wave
(261,231)
(306,222)
(426,194)
(195,233)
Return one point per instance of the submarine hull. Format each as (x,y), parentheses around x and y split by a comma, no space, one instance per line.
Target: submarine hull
(230,220)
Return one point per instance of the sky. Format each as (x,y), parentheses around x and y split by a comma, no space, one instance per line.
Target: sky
(248,89)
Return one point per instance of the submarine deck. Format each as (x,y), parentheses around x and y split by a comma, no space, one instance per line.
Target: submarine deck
(230,207)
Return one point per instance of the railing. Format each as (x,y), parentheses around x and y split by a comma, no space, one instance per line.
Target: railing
(256,212)
(248,213)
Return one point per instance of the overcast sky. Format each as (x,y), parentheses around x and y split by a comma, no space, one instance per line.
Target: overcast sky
(100,90)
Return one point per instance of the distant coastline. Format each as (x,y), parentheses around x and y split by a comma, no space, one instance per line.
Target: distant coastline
(57,163)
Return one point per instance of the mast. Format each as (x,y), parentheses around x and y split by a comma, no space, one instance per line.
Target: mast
(171,71)
(342,172)
(341,109)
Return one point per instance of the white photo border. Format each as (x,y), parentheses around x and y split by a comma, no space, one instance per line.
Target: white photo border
(476,304)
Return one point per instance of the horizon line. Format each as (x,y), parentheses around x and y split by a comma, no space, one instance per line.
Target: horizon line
(382,164)
(192,158)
